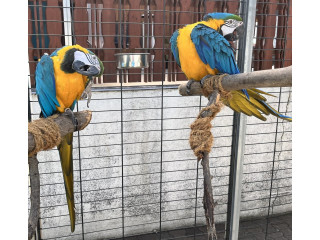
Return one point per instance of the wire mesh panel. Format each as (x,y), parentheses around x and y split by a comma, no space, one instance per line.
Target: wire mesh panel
(134,172)
(98,195)
(267,185)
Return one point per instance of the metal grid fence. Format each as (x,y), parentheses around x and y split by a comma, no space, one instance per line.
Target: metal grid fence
(134,172)
(267,166)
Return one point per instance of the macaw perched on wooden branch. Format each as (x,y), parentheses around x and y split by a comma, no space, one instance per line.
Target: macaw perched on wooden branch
(61,78)
(203,49)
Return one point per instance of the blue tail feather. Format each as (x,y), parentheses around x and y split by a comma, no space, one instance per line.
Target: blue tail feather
(276,113)
(245,92)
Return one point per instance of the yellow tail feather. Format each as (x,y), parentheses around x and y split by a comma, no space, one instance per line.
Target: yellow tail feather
(243,106)
(256,105)
(65,151)
(259,106)
(262,92)
(255,95)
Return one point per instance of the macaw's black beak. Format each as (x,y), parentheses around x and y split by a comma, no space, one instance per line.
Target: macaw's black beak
(84,69)
(239,31)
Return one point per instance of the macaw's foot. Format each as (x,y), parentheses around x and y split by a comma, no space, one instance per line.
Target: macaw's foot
(202,81)
(73,118)
(189,83)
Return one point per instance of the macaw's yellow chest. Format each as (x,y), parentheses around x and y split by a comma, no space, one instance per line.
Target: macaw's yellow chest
(191,64)
(69,87)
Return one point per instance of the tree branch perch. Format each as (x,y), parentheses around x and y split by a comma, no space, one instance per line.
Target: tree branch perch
(35,195)
(65,125)
(281,77)
(204,141)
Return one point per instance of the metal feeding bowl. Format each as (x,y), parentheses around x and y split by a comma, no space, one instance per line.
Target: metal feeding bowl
(132,60)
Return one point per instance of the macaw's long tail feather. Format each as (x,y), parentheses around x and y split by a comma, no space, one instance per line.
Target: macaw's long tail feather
(255,105)
(246,93)
(65,151)
(275,112)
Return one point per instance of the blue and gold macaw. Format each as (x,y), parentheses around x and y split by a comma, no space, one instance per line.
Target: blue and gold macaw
(202,49)
(60,80)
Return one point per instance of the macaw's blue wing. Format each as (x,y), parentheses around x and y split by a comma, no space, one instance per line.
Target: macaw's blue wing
(174,46)
(214,49)
(46,86)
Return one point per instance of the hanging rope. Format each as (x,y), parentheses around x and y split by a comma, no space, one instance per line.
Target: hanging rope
(46,134)
(201,138)
(214,82)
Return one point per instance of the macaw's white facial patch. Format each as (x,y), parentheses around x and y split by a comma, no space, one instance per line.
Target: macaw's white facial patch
(229,26)
(227,30)
(87,59)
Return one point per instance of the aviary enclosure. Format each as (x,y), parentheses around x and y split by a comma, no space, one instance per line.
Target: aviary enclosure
(135,174)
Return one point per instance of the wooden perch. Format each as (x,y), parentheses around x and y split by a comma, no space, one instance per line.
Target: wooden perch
(201,141)
(208,202)
(63,124)
(35,195)
(281,77)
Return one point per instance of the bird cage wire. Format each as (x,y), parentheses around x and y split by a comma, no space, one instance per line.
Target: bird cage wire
(134,173)
(267,166)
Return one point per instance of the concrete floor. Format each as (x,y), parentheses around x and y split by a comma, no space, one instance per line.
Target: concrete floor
(279,228)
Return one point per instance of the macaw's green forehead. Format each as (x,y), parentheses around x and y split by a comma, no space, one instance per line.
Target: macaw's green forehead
(223,16)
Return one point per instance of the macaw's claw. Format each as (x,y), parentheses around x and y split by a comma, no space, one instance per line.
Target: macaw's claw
(189,83)
(202,81)
(73,118)
(87,92)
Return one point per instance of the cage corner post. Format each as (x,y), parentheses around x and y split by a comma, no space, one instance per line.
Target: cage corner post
(248,12)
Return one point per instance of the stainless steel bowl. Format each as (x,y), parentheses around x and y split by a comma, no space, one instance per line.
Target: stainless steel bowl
(132,60)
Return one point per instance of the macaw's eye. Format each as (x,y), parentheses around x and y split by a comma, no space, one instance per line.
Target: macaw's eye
(94,57)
